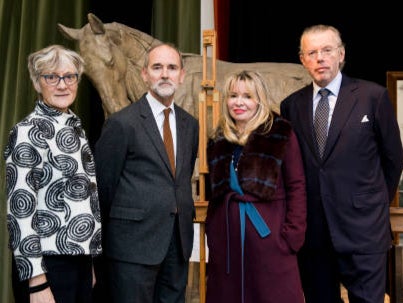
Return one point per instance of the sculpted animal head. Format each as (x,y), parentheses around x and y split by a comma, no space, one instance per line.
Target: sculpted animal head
(114,55)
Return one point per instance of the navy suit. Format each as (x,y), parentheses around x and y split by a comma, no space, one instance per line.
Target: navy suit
(141,201)
(350,189)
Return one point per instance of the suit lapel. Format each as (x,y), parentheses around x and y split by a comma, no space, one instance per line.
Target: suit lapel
(151,128)
(345,103)
(305,109)
(181,130)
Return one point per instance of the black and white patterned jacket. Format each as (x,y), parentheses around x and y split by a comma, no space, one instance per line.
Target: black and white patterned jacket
(52,197)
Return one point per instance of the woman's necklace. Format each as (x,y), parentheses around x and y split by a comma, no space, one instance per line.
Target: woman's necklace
(235,164)
(236,155)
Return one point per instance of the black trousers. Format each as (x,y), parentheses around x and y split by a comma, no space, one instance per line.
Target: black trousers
(322,272)
(70,279)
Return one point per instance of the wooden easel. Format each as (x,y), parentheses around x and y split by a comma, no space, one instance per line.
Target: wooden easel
(208,100)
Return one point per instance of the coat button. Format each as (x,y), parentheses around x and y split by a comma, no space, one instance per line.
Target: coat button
(93,186)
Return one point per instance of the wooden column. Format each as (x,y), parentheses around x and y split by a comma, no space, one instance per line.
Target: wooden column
(395,286)
(209,113)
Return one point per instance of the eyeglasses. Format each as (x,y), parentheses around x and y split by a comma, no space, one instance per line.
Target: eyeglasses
(325,52)
(54,80)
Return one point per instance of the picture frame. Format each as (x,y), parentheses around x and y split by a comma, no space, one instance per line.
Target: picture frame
(394,84)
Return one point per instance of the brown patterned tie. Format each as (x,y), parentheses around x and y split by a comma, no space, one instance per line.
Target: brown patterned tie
(168,142)
(321,120)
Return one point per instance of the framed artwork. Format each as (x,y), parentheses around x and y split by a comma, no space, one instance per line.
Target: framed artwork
(394,83)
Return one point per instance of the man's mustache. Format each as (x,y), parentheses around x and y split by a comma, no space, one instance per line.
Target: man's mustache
(162,82)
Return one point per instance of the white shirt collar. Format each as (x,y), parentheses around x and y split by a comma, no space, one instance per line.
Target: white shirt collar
(156,106)
(333,86)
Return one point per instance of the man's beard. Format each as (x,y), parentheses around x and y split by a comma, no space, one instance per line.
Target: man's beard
(163,90)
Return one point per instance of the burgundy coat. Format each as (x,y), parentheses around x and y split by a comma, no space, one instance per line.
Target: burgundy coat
(270,173)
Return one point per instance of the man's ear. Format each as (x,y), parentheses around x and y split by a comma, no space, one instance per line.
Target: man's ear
(182,76)
(301,58)
(144,75)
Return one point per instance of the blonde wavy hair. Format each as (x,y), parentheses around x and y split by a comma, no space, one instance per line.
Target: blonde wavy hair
(258,89)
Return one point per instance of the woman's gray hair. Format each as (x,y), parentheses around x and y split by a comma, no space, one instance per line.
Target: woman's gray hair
(49,58)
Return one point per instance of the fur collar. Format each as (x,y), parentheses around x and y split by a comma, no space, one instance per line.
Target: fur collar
(259,164)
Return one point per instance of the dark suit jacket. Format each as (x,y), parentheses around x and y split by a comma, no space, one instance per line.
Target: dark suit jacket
(351,188)
(139,196)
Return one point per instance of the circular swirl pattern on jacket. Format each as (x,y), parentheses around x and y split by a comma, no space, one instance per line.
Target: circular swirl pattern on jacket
(54,197)
(94,203)
(11,177)
(45,223)
(14,232)
(24,267)
(25,155)
(65,246)
(81,227)
(30,246)
(41,131)
(22,203)
(75,122)
(68,165)
(67,140)
(96,243)
(12,140)
(38,178)
(88,160)
(77,187)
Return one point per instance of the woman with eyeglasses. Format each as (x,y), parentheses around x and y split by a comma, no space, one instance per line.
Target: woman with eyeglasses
(53,214)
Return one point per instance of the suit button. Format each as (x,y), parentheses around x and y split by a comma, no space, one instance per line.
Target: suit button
(173,214)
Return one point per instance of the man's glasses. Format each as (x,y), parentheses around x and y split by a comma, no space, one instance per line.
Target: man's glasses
(325,52)
(54,80)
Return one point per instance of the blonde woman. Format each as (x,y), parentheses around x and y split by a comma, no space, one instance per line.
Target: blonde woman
(257,212)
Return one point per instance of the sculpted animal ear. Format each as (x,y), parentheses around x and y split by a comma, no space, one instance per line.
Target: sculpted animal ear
(69,33)
(97,27)
(96,24)
(116,37)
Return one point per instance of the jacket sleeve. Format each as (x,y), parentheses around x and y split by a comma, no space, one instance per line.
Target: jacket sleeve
(390,144)
(110,155)
(294,182)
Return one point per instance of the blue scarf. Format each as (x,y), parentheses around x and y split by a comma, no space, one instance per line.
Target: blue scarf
(246,209)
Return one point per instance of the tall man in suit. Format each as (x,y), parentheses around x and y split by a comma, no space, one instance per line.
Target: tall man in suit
(349,186)
(147,205)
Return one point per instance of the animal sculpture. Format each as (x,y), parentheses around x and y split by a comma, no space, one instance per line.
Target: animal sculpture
(114,54)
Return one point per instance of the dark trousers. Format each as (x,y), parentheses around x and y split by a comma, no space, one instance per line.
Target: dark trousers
(70,279)
(161,283)
(322,272)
